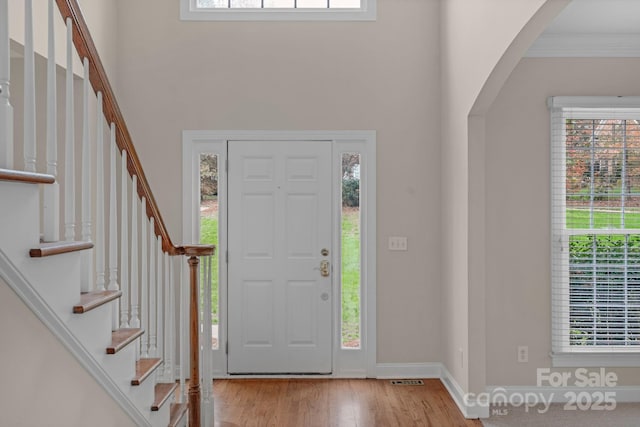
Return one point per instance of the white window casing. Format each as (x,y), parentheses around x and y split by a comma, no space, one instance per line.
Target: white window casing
(595,269)
(228,10)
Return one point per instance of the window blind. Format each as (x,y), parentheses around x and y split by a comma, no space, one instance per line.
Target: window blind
(595,224)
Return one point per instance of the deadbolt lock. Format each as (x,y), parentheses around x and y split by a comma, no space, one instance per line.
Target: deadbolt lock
(324,268)
(325,252)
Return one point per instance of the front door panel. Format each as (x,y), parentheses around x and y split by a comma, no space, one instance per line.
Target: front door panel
(279,278)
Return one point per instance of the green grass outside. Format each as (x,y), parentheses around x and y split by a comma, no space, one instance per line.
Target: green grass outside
(209,236)
(351,278)
(579,218)
(350,273)
(611,250)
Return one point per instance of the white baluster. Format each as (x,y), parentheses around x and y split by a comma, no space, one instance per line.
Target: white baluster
(156,331)
(135,279)
(153,283)
(113,225)
(29,91)
(87,264)
(207,377)
(124,245)
(69,150)
(147,264)
(169,344)
(6,110)
(100,234)
(51,193)
(182,395)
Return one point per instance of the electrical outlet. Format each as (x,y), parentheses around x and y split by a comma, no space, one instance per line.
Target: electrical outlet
(398,243)
(523,354)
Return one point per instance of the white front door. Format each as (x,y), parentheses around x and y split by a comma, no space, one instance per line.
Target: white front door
(280,241)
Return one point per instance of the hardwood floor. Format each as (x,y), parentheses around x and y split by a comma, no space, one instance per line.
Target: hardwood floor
(333,402)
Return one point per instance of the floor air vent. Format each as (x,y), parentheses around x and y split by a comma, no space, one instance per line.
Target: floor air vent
(407,382)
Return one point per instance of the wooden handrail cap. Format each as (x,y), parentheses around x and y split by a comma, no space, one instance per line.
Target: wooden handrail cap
(26,177)
(196,250)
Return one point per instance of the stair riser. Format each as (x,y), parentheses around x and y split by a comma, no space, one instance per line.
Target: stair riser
(142,395)
(19,227)
(160,417)
(57,280)
(121,366)
(93,328)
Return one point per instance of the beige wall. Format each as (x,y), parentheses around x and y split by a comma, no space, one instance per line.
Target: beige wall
(99,14)
(475,50)
(379,75)
(43,385)
(518,209)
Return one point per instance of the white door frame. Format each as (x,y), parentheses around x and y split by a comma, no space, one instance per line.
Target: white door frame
(347,363)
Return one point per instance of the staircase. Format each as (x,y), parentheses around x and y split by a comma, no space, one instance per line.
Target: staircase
(114,290)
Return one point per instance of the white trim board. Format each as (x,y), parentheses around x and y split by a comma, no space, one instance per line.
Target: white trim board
(501,395)
(384,371)
(624,394)
(21,286)
(470,407)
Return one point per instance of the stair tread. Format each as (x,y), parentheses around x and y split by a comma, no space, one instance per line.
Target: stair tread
(178,411)
(91,300)
(26,177)
(144,368)
(57,248)
(122,337)
(163,391)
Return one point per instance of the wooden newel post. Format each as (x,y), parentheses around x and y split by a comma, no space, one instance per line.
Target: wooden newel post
(194,339)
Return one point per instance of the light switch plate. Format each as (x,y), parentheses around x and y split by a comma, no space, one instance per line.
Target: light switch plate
(398,243)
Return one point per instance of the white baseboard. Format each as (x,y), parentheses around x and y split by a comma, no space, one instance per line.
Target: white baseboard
(470,406)
(408,370)
(623,394)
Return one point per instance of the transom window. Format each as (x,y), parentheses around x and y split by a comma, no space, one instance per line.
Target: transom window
(278,10)
(287,4)
(596,225)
